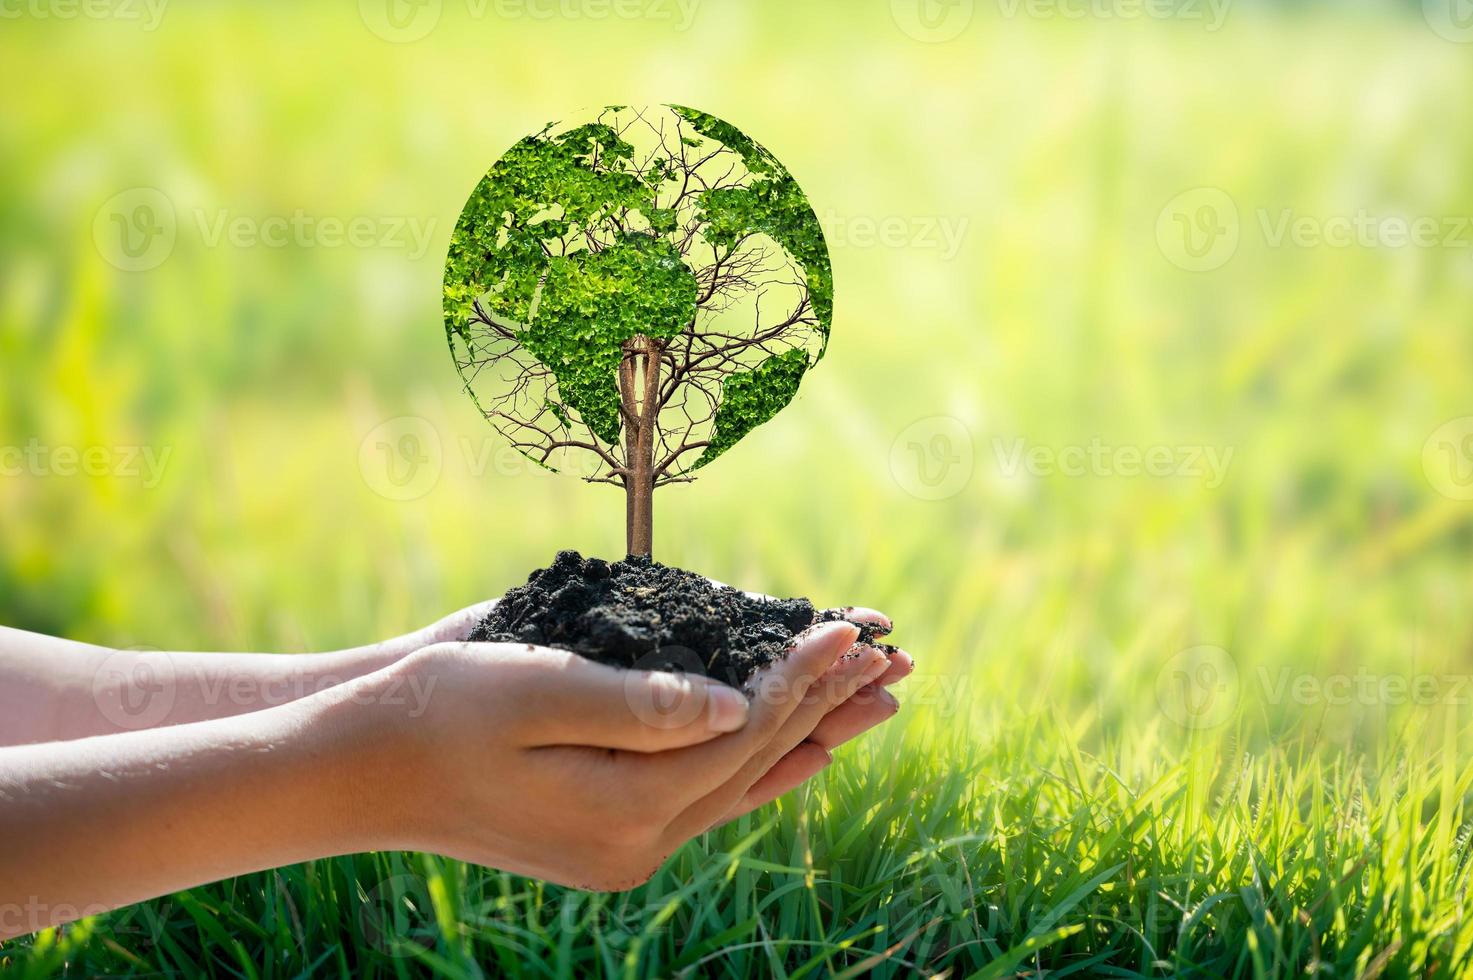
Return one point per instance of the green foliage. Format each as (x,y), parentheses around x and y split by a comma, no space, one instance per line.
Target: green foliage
(749,398)
(591,303)
(774,206)
(755,156)
(541,189)
(920,852)
(575,242)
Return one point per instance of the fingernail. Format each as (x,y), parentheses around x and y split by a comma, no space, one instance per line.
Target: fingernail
(885,626)
(903,660)
(728,708)
(837,628)
(877,667)
(841,635)
(889,700)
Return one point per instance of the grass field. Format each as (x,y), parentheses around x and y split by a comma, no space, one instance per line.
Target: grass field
(1210,718)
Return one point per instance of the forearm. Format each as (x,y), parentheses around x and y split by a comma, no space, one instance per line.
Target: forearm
(97,823)
(53,689)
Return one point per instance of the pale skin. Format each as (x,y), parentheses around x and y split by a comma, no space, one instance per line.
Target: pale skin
(126,775)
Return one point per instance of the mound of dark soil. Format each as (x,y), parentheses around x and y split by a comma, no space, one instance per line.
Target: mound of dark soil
(640,613)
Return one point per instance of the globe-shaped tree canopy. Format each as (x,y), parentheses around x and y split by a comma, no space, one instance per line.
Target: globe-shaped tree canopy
(626,297)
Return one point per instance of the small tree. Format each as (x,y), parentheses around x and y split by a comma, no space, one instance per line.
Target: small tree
(629,297)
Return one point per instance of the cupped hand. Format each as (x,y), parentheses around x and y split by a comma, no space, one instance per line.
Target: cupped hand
(452,628)
(524,758)
(541,762)
(863,710)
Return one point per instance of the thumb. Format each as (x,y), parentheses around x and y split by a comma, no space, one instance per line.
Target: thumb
(673,710)
(588,703)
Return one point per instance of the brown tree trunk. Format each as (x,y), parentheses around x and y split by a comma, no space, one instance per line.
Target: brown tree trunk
(639,380)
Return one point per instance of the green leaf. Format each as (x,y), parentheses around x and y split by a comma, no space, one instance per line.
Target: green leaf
(750,398)
(592,302)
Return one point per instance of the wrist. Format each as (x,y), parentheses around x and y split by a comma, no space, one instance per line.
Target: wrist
(373,732)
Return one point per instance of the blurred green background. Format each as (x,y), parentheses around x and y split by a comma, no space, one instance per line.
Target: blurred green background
(998,212)
(1067,242)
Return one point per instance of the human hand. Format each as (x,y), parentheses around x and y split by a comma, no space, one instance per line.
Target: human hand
(547,764)
(864,709)
(456,627)
(533,760)
(867,707)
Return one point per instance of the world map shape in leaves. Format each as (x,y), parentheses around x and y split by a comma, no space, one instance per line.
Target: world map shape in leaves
(664,223)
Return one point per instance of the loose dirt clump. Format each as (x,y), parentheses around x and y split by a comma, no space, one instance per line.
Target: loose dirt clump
(640,613)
